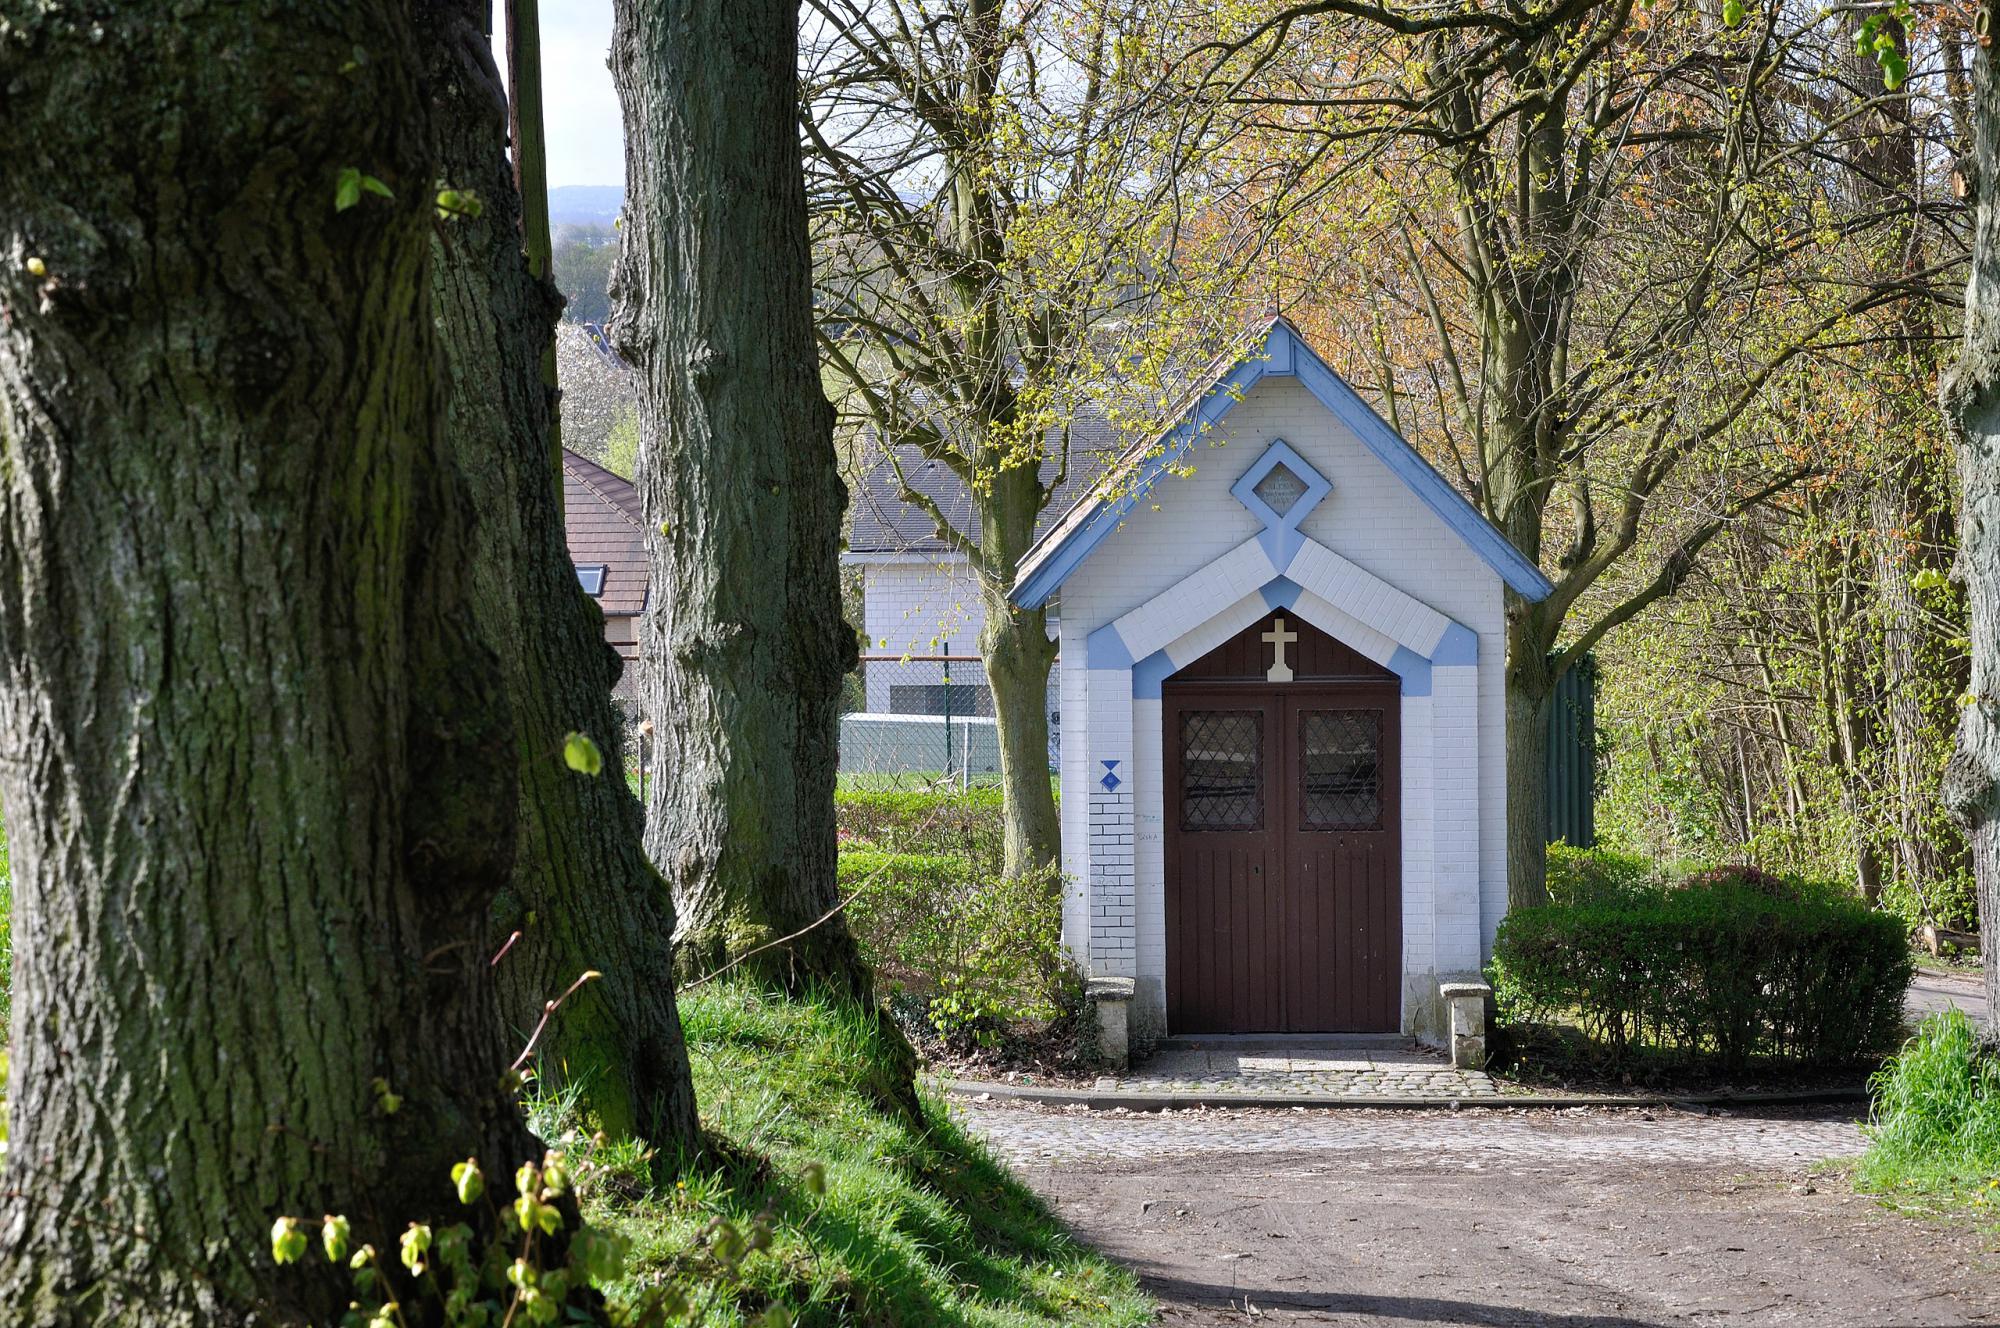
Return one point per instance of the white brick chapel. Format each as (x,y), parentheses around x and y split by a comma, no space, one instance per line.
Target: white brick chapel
(1283,788)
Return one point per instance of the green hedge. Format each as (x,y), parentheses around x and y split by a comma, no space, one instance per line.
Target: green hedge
(980,949)
(1715,967)
(1592,875)
(964,823)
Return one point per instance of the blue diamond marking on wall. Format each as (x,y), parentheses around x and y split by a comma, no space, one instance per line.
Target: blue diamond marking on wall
(1111,781)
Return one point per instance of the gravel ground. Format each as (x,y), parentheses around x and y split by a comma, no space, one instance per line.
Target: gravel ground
(1936,989)
(1586,1218)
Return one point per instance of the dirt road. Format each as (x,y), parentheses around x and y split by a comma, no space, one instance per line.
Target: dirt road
(1594,1219)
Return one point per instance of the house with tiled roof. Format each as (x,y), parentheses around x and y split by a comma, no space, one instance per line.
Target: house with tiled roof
(607,543)
(919,592)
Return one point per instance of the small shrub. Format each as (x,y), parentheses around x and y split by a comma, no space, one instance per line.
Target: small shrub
(963,823)
(1936,1118)
(519,1261)
(1588,875)
(1721,969)
(982,949)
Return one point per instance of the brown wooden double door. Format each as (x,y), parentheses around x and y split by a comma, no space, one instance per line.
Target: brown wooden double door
(1283,856)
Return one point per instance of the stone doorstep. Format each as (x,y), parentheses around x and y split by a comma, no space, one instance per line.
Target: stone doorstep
(1280,1044)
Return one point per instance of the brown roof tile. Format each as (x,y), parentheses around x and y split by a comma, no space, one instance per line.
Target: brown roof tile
(602,518)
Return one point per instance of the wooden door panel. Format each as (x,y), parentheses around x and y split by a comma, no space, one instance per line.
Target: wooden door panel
(1283,856)
(1220,917)
(1351,976)
(1344,860)
(1223,860)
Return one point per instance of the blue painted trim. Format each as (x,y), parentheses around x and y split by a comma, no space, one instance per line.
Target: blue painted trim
(1148,674)
(1413,669)
(1050,567)
(1281,538)
(1278,358)
(1105,649)
(1481,535)
(1044,579)
(1281,592)
(1457,646)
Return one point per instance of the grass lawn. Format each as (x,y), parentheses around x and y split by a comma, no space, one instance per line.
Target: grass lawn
(1934,1142)
(917,1225)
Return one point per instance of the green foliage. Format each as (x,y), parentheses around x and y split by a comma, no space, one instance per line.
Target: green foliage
(459,204)
(505,1265)
(351,183)
(1594,875)
(582,755)
(621,448)
(963,823)
(871,1218)
(982,949)
(581,265)
(1796,705)
(1716,967)
(1936,1119)
(1876,39)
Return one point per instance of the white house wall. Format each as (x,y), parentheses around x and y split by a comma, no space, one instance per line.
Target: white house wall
(916,606)
(1375,522)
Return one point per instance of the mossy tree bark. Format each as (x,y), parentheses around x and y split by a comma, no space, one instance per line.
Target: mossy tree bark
(254,755)
(1971,396)
(1019,655)
(583,895)
(743,639)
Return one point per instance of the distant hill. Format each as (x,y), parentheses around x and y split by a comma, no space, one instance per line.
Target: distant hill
(585,203)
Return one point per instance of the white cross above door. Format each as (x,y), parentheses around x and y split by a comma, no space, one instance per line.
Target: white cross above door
(1281,671)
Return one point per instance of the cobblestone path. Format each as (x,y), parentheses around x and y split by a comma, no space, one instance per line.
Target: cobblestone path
(1469,1139)
(1496,1217)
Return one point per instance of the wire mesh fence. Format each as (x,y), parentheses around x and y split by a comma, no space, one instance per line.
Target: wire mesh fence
(917,721)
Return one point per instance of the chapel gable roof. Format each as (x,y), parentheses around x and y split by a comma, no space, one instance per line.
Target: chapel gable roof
(1272,348)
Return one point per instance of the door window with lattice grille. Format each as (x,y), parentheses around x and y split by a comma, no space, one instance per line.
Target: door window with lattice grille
(1340,769)
(1222,770)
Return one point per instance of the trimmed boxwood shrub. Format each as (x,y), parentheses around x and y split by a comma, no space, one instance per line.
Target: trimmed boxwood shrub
(1588,875)
(1716,967)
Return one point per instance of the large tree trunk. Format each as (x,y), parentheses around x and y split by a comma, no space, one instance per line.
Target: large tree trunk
(583,896)
(743,638)
(527,133)
(1531,686)
(1018,653)
(1015,645)
(257,770)
(1971,396)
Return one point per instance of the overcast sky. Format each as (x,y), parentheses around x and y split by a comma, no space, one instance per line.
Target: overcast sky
(581,109)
